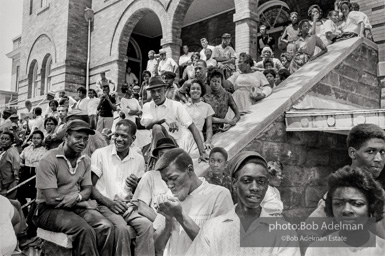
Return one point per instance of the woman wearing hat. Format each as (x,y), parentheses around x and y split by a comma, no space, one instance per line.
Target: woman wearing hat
(241,230)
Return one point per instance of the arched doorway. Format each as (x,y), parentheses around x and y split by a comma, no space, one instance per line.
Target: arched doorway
(32,80)
(46,74)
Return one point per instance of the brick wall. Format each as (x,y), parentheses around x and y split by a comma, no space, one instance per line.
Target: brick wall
(354,81)
(308,158)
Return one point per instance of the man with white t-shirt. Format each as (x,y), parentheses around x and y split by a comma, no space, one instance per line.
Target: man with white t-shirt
(166,64)
(205,45)
(189,203)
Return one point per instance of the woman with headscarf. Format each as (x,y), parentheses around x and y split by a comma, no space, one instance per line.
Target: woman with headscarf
(267,54)
(305,47)
(354,199)
(250,86)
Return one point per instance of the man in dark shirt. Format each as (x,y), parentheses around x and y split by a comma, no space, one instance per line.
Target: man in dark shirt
(106,110)
(265,39)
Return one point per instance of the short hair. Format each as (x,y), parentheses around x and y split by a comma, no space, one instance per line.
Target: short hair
(203,39)
(196,81)
(214,72)
(146,72)
(82,90)
(10,134)
(300,24)
(208,49)
(361,180)
(361,133)
(38,111)
(38,132)
(283,74)
(106,86)
(202,62)
(355,6)
(347,2)
(129,124)
(176,156)
(195,54)
(268,61)
(247,58)
(270,167)
(54,102)
(332,12)
(92,90)
(151,51)
(270,71)
(312,7)
(50,118)
(221,151)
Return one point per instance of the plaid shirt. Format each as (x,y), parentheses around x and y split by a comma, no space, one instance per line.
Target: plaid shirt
(31,155)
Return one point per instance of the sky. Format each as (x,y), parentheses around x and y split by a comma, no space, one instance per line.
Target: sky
(11,13)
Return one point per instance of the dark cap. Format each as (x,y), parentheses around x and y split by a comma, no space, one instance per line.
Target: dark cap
(156,82)
(162,144)
(7,111)
(79,125)
(169,75)
(226,35)
(241,157)
(14,116)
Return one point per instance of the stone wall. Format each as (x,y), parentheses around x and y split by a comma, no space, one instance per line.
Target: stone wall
(354,81)
(308,158)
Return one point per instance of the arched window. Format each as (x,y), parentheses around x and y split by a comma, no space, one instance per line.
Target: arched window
(274,14)
(34,82)
(45,74)
(32,79)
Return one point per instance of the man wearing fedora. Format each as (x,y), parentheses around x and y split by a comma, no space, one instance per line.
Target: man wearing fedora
(163,115)
(224,54)
(166,64)
(63,182)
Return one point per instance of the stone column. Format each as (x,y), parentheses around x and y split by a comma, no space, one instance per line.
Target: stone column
(246,28)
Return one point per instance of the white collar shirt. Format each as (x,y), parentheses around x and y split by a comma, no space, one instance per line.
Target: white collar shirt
(113,171)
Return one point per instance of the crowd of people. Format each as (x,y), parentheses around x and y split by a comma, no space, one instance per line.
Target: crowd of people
(105,169)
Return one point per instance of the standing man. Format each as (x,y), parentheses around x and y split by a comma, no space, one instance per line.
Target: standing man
(166,64)
(63,182)
(265,40)
(190,202)
(184,59)
(205,46)
(112,165)
(224,54)
(131,78)
(104,81)
(162,116)
(106,110)
(152,63)
(82,103)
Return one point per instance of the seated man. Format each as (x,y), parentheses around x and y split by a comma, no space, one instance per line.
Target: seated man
(245,229)
(111,166)
(189,203)
(63,182)
(162,114)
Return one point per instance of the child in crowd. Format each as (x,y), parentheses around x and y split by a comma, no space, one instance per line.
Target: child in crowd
(218,174)
(329,30)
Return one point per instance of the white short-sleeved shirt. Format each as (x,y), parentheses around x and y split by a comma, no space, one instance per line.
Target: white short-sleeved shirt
(211,63)
(166,65)
(82,104)
(8,239)
(170,110)
(127,105)
(205,202)
(199,112)
(184,58)
(353,22)
(113,171)
(93,106)
(131,78)
(202,52)
(227,52)
(152,66)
